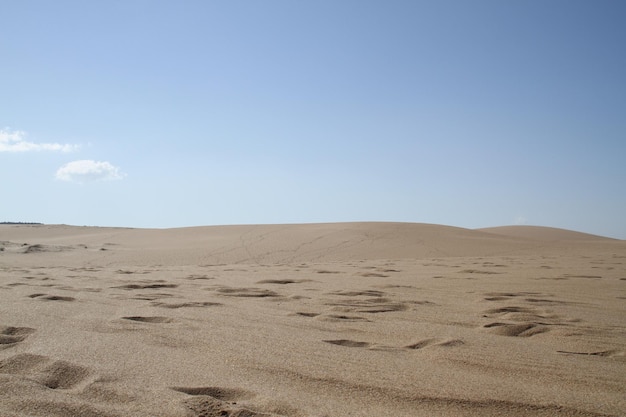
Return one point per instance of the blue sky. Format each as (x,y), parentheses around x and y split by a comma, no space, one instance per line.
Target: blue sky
(180,113)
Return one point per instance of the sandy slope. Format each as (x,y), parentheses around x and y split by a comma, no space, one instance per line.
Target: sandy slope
(346,319)
(543,233)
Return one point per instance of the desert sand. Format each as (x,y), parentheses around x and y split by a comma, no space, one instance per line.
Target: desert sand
(346,319)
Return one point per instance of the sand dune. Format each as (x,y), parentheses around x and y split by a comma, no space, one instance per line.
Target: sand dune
(345,319)
(271,244)
(539,233)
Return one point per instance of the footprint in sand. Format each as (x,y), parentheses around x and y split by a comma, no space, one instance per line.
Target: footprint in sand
(611,353)
(149,319)
(521,314)
(373,275)
(342,318)
(39,385)
(10,336)
(478,271)
(283,281)
(519,330)
(46,297)
(582,276)
(546,301)
(375,303)
(246,292)
(129,272)
(528,321)
(194,277)
(219,393)
(63,375)
(367,306)
(367,293)
(332,317)
(38,248)
(218,402)
(435,343)
(45,371)
(523,320)
(40,278)
(440,343)
(306,314)
(184,305)
(503,296)
(348,343)
(149,297)
(145,286)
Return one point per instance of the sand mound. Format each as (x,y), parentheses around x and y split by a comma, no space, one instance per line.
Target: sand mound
(272,244)
(317,320)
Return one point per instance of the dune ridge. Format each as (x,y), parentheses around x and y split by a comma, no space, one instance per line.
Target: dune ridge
(311,320)
(293,243)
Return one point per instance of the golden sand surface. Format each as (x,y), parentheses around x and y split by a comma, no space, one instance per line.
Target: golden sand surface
(311,320)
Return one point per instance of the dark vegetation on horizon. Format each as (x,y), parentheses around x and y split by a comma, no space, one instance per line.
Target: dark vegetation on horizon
(21,223)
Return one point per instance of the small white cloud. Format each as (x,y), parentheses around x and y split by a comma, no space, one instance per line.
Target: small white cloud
(13,141)
(88,170)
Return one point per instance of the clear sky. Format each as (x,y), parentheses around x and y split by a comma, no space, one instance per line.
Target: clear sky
(149,113)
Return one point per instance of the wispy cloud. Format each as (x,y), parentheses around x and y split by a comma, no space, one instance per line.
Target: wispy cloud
(87,170)
(14,141)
